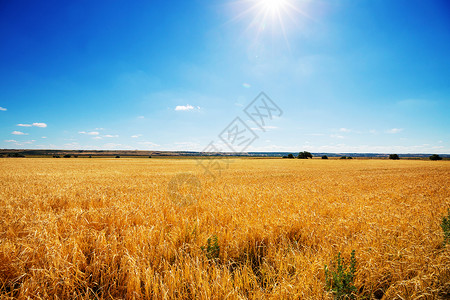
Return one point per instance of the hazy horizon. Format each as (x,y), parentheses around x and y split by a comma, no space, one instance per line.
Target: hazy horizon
(346,77)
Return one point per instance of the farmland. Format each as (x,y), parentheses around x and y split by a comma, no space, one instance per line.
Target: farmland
(111,228)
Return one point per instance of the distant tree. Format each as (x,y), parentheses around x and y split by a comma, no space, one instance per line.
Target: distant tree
(304,155)
(343,157)
(290,155)
(76,156)
(56,156)
(394,156)
(90,156)
(1,155)
(149,156)
(435,157)
(16,155)
(349,157)
(67,156)
(117,156)
(324,157)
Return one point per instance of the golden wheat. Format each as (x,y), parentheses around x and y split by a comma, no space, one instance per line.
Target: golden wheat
(109,228)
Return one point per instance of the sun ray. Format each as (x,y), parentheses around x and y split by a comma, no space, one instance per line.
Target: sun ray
(278,16)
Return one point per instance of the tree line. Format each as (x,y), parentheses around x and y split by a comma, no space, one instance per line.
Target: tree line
(306,155)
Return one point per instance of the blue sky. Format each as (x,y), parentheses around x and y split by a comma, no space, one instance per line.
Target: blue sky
(349,76)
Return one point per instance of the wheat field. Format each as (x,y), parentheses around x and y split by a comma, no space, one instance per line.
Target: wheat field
(112,229)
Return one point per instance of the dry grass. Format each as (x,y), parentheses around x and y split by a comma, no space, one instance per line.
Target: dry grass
(106,228)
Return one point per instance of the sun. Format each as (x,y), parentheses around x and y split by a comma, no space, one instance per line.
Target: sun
(270,16)
(277,10)
(273,6)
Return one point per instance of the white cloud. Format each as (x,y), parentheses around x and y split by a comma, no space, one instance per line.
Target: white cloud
(342,148)
(136,136)
(44,137)
(41,125)
(20,143)
(90,132)
(344,130)
(97,137)
(141,117)
(150,144)
(394,130)
(186,146)
(114,146)
(3,109)
(18,133)
(264,127)
(71,145)
(373,131)
(336,136)
(186,107)
(339,147)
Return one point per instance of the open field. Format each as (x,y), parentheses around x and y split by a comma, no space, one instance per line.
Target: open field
(108,228)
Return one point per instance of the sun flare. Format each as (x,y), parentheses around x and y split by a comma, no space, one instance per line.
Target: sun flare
(273,6)
(274,16)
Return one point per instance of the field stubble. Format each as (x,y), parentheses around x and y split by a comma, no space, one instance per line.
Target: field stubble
(106,228)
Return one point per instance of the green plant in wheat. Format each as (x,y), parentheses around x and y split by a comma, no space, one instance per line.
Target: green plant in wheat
(212,248)
(446,228)
(339,278)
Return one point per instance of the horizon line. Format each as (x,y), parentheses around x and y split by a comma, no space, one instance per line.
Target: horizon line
(220,152)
